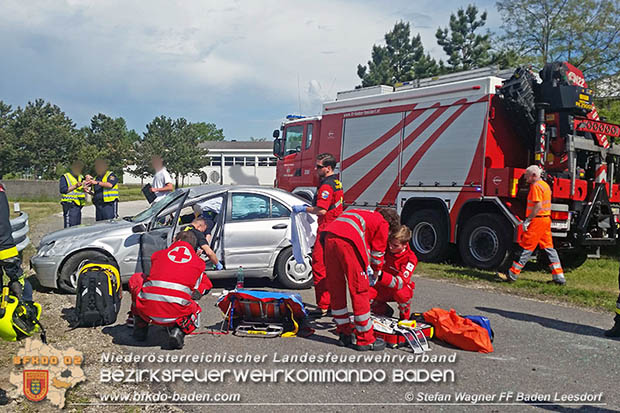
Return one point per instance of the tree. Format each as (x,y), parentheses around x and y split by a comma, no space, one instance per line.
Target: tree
(401,59)
(179,143)
(7,140)
(109,139)
(465,47)
(45,138)
(253,139)
(583,32)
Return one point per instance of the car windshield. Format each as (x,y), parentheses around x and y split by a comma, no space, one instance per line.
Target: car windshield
(156,207)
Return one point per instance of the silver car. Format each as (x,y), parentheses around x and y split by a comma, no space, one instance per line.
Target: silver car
(250,230)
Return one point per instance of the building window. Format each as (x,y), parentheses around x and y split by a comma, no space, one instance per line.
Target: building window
(250,161)
(229,161)
(239,160)
(216,161)
(263,161)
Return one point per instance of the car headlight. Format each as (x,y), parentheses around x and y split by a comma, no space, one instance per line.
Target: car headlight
(45,250)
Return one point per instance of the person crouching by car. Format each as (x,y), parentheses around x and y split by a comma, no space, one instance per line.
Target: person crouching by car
(168,295)
(395,282)
(198,228)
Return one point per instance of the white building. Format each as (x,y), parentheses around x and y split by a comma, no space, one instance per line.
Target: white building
(232,163)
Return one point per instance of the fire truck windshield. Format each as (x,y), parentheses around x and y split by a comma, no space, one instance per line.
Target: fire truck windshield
(292,139)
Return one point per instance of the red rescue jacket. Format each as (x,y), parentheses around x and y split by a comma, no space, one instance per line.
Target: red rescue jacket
(398,269)
(166,294)
(367,230)
(329,196)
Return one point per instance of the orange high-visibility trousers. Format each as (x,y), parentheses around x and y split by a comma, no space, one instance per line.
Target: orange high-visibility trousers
(538,234)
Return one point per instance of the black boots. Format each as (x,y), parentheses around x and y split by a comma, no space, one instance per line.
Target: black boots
(615,330)
(176,338)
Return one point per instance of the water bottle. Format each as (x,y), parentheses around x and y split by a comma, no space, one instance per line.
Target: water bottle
(240,278)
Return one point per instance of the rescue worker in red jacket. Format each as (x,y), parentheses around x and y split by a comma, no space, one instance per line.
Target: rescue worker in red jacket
(354,246)
(537,230)
(327,205)
(395,283)
(167,296)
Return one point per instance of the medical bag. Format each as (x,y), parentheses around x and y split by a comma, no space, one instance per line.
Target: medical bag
(99,294)
(402,333)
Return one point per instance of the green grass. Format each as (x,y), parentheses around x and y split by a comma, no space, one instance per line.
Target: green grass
(37,213)
(130,192)
(594,284)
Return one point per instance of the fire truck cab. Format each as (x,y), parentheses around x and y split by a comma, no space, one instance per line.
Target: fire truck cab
(449,154)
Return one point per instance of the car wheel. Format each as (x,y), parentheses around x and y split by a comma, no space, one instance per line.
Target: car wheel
(293,275)
(485,241)
(430,236)
(67,279)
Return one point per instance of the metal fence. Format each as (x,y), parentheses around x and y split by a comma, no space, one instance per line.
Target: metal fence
(20,228)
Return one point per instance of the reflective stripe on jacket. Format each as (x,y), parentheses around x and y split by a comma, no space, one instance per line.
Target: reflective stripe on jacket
(367,230)
(109,194)
(77,195)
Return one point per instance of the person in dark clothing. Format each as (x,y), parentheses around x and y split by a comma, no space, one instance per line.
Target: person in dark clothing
(72,188)
(105,191)
(10,262)
(198,228)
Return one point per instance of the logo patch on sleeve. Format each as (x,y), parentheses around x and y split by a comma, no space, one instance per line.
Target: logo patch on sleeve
(325,194)
(410,266)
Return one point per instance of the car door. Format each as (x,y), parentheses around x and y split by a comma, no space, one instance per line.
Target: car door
(160,230)
(255,229)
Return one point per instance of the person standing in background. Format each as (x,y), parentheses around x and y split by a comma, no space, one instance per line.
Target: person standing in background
(162,181)
(105,191)
(72,189)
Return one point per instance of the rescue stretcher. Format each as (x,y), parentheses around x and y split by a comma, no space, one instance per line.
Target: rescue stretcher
(262,314)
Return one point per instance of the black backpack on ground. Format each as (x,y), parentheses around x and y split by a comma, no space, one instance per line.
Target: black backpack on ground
(99,294)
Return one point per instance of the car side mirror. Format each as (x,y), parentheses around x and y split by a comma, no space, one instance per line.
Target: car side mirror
(277,147)
(138,228)
(276,133)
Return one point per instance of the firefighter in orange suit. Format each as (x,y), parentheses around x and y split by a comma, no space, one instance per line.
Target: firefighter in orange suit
(167,296)
(396,283)
(327,204)
(537,229)
(354,246)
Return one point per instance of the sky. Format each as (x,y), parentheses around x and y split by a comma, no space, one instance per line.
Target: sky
(243,65)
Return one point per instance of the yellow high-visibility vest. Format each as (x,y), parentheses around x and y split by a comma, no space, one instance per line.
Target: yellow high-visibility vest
(77,195)
(109,194)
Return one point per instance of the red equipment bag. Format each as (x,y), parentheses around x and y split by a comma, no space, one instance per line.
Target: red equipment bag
(458,331)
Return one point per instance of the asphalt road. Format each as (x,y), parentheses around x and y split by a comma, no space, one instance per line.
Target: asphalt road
(540,349)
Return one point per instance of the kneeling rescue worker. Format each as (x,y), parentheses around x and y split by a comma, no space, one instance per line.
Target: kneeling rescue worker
(167,296)
(536,229)
(395,282)
(356,242)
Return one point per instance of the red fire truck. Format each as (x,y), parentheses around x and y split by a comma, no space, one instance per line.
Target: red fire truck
(449,153)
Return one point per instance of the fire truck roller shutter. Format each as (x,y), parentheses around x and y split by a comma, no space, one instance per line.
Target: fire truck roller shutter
(429,222)
(484,236)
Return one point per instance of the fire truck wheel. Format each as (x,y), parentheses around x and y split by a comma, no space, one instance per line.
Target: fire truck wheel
(430,235)
(484,241)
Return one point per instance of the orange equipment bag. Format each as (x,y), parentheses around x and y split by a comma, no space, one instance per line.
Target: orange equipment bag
(458,331)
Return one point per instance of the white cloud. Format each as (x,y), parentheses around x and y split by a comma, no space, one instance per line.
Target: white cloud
(198,53)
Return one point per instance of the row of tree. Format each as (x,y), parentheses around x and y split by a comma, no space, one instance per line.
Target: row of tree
(41,141)
(583,32)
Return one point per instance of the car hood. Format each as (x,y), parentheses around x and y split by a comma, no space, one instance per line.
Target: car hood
(86,232)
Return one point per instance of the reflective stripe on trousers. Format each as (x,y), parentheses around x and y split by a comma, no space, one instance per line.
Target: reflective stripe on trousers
(363,322)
